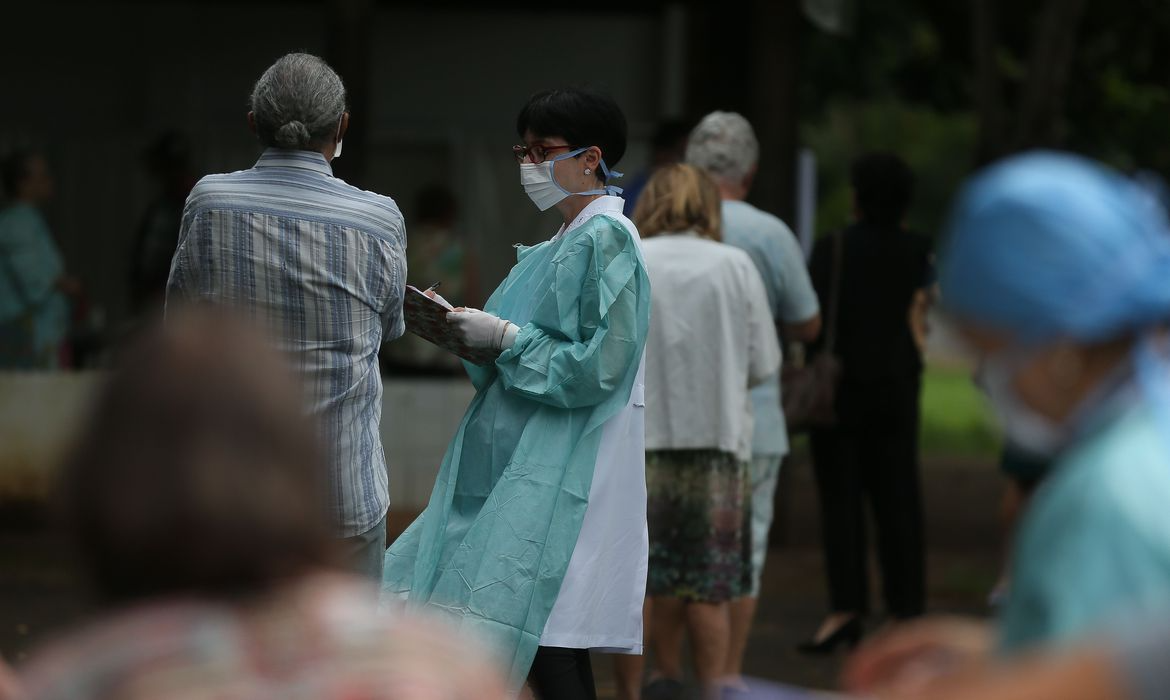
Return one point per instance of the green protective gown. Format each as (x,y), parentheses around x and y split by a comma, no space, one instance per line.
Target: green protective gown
(494,542)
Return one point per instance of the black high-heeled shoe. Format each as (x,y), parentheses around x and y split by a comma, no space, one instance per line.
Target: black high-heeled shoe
(848,634)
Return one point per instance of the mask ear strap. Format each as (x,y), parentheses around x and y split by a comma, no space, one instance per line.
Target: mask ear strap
(610,175)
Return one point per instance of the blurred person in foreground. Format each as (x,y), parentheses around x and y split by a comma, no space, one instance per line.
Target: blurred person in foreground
(1055,273)
(199,509)
(725,147)
(168,162)
(711,338)
(34,287)
(535,534)
(875,272)
(321,265)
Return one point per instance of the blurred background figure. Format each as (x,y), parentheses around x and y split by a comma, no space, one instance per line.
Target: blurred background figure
(874,271)
(437,253)
(318,262)
(168,162)
(198,502)
(34,287)
(1074,360)
(667,146)
(711,338)
(725,146)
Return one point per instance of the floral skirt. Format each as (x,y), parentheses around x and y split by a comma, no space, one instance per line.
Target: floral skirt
(699,514)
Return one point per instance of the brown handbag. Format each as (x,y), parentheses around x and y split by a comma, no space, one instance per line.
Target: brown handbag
(809,390)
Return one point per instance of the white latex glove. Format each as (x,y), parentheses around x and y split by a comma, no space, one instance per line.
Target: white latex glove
(479,329)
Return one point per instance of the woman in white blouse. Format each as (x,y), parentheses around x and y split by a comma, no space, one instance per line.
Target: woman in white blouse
(711,338)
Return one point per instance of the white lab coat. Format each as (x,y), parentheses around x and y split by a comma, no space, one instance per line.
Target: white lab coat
(600,602)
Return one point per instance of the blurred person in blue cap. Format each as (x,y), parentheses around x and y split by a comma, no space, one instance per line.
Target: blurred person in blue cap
(1056,272)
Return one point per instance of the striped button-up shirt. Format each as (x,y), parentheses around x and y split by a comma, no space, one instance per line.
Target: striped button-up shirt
(323,265)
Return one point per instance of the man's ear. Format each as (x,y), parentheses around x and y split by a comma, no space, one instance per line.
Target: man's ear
(344,127)
(252,122)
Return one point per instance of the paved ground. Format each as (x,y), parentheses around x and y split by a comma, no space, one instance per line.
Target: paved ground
(38,595)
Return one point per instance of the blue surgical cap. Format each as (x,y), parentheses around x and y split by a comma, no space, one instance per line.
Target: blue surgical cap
(1048,245)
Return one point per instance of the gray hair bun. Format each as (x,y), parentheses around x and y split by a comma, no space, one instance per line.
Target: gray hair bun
(294,134)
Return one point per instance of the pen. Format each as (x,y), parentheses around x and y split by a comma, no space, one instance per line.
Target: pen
(433,287)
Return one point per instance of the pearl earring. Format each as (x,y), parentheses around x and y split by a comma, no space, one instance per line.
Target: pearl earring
(588,171)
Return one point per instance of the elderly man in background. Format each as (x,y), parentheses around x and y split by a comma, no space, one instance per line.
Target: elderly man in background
(322,265)
(724,145)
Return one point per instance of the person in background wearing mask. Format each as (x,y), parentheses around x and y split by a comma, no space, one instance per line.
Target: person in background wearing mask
(320,264)
(1075,359)
(535,535)
(34,288)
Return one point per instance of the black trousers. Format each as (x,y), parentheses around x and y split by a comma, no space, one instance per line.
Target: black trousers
(562,674)
(872,455)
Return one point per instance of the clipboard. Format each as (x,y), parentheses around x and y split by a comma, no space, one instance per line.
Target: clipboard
(427,318)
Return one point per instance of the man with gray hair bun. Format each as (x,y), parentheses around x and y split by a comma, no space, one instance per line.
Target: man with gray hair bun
(724,145)
(322,265)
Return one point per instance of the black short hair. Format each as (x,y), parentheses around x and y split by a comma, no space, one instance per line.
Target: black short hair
(581,116)
(15,168)
(884,186)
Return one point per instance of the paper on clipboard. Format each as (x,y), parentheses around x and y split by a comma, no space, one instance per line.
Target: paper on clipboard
(427,318)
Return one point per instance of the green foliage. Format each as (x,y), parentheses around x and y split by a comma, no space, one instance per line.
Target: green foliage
(937,146)
(956,420)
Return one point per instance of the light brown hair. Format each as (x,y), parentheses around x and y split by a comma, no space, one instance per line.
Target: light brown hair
(679,198)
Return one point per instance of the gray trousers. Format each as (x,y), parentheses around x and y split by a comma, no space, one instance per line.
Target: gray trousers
(365,554)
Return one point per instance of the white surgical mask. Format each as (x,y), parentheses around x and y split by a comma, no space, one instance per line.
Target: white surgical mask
(1023,428)
(540,183)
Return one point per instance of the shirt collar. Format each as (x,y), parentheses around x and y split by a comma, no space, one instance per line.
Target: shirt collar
(287,158)
(605,204)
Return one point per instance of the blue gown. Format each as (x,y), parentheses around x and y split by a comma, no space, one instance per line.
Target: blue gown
(492,546)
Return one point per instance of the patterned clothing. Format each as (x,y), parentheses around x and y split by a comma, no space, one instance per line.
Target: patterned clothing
(322,265)
(700,525)
(315,641)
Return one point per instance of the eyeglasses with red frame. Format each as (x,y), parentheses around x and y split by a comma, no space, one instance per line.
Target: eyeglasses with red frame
(537,152)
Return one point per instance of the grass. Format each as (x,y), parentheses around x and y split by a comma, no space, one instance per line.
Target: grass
(956,420)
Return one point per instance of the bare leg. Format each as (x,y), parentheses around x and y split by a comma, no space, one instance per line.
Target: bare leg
(710,633)
(743,611)
(669,617)
(628,668)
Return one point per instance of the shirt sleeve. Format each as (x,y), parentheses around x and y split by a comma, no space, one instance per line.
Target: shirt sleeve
(393,320)
(798,300)
(763,346)
(580,357)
